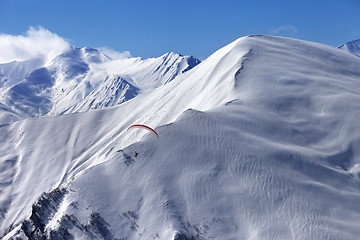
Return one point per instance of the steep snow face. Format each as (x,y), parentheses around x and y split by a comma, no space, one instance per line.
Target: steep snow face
(259,141)
(83,79)
(153,72)
(352,47)
(12,74)
(112,91)
(32,96)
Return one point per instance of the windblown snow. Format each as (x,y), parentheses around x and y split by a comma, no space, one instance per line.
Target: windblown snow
(259,141)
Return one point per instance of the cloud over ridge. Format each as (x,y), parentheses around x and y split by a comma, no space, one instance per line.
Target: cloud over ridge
(113,54)
(37,42)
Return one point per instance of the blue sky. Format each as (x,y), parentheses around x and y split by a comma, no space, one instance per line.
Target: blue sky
(198,28)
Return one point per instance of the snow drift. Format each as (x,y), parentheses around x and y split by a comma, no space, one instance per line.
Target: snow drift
(259,141)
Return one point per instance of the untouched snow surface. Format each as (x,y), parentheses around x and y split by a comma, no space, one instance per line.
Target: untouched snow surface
(259,141)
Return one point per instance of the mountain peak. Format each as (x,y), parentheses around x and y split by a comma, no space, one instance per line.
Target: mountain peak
(172,54)
(351,47)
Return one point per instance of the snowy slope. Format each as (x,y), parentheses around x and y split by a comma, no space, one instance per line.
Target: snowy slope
(82,79)
(259,141)
(7,115)
(11,74)
(351,47)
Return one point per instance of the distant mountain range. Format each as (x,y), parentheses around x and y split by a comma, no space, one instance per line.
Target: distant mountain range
(79,80)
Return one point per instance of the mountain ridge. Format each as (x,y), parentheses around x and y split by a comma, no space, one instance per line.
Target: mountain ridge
(70,77)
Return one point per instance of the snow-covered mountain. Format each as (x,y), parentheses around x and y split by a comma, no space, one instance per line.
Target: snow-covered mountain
(352,47)
(259,141)
(82,79)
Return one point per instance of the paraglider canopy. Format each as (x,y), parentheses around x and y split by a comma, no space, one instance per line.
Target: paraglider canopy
(144,127)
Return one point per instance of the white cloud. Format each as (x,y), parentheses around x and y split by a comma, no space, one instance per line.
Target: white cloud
(286,30)
(114,54)
(37,42)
